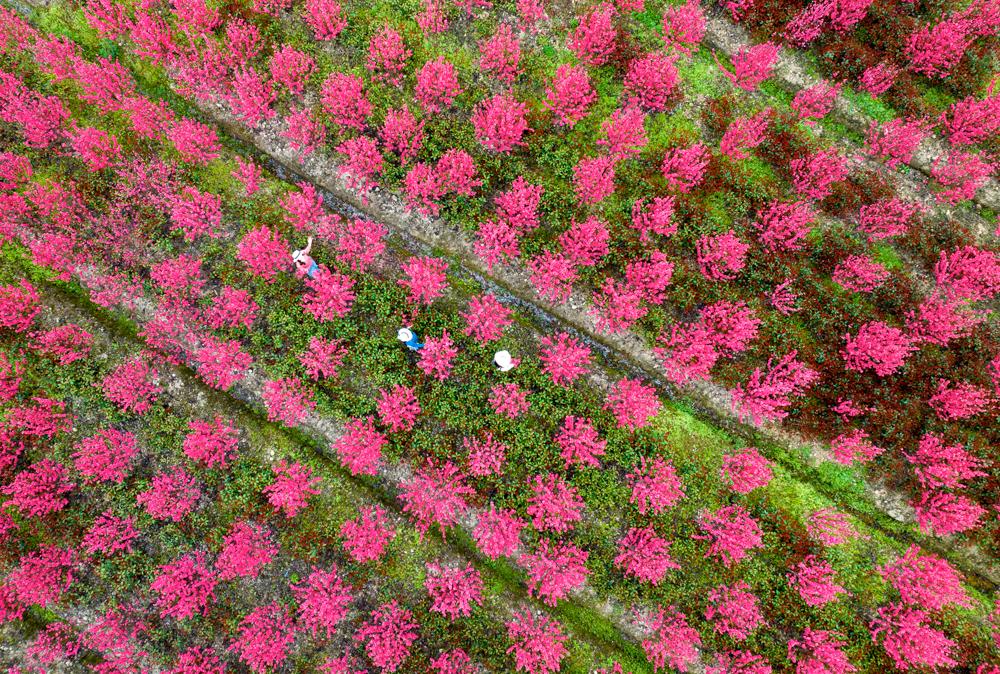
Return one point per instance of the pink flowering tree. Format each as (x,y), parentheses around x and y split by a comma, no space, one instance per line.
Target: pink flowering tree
(39,489)
(683,27)
(360,447)
(656,486)
(752,65)
(263,637)
(815,102)
(501,55)
(854,446)
(939,465)
(552,275)
(554,504)
(594,179)
(644,555)
(593,40)
(41,577)
(426,279)
(246,549)
(909,640)
(105,457)
(942,513)
(733,610)
(435,495)
(969,273)
(656,219)
(650,81)
(768,396)
(437,85)
(878,347)
(830,527)
(537,642)
(110,534)
(366,537)
(563,358)
(424,189)
(672,642)
(387,56)
(731,532)
(330,295)
(784,226)
(486,455)
(264,253)
(184,587)
(453,662)
(739,662)
(959,400)
(486,319)
(586,241)
(570,95)
(453,590)
(509,400)
(437,355)
(684,166)
(500,123)
(935,49)
(323,601)
(746,470)
(886,219)
(745,133)
(624,133)
(293,484)
(398,408)
(554,569)
(860,274)
(971,120)
(388,636)
(213,443)
(579,442)
(131,386)
(895,141)
(497,532)
(960,175)
(287,400)
(231,308)
(925,580)
(721,257)
(343,99)
(171,495)
(814,579)
(222,363)
(360,242)
(819,651)
(65,344)
(325,18)
(813,176)
(363,163)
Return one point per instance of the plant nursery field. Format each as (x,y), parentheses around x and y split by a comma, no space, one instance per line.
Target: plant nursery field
(471,336)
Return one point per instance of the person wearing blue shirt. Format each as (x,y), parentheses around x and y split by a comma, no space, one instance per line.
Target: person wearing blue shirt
(408,337)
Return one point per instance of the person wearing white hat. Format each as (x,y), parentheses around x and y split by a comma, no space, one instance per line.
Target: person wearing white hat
(504,362)
(408,337)
(304,264)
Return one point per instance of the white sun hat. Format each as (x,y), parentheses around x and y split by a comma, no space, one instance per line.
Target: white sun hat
(404,335)
(503,360)
(296,254)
